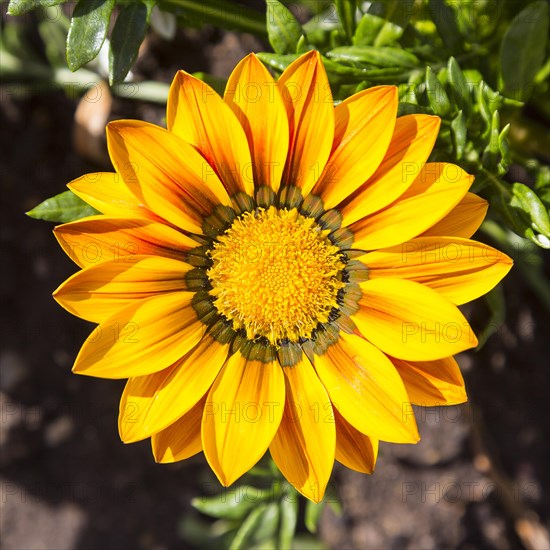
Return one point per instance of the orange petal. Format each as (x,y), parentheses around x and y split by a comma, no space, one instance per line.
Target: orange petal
(166,173)
(435,192)
(411,321)
(144,337)
(310,109)
(410,146)
(303,448)
(463,220)
(353,448)
(366,390)
(241,416)
(255,98)
(197,114)
(97,239)
(107,192)
(364,128)
(432,383)
(459,269)
(151,403)
(182,439)
(99,292)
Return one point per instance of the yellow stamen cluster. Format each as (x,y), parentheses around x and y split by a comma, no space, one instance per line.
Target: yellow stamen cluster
(275,274)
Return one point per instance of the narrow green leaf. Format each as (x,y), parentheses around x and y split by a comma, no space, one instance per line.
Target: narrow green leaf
(222,13)
(504,150)
(249,525)
(346,12)
(54,37)
(528,201)
(230,504)
(439,102)
(313,513)
(268,524)
(63,208)
(458,87)
(497,308)
(89,26)
(370,55)
(523,50)
(491,154)
(444,17)
(19,7)
(283,29)
(459,134)
(126,38)
(303,45)
(289,518)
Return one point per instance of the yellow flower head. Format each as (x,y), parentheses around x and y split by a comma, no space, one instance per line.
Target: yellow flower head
(275,272)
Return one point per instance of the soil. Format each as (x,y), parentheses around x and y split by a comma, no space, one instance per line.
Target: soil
(478,478)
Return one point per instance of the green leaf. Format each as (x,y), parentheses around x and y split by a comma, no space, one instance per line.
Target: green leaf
(276,61)
(492,151)
(459,134)
(346,12)
(283,29)
(497,308)
(268,523)
(54,36)
(126,38)
(444,17)
(289,518)
(313,513)
(249,525)
(504,150)
(527,200)
(384,23)
(439,102)
(63,208)
(89,26)
(523,50)
(19,7)
(230,504)
(370,55)
(458,87)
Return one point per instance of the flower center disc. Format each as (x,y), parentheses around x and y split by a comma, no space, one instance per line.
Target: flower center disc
(275,274)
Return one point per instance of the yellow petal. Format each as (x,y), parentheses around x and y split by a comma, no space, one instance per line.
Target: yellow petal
(410,146)
(364,128)
(151,403)
(145,337)
(310,109)
(241,416)
(366,390)
(197,114)
(255,98)
(432,383)
(166,173)
(97,239)
(435,192)
(353,448)
(459,269)
(303,448)
(411,321)
(463,220)
(100,291)
(182,439)
(107,192)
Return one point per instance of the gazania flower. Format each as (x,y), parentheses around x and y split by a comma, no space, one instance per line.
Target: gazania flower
(273,272)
